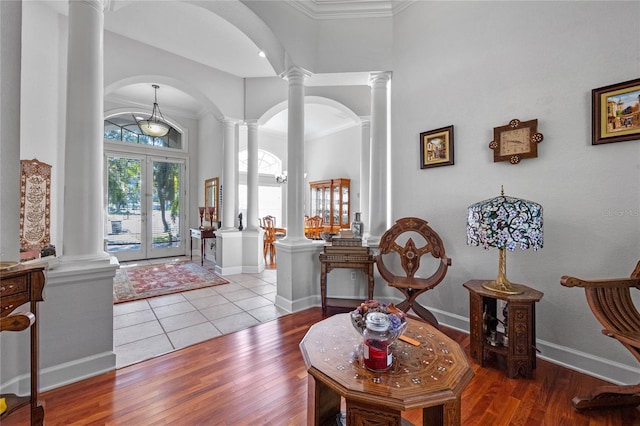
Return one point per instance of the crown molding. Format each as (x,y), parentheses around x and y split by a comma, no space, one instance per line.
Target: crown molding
(337,9)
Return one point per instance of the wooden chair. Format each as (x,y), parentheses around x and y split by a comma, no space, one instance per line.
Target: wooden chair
(611,303)
(410,255)
(313,227)
(315,224)
(268,224)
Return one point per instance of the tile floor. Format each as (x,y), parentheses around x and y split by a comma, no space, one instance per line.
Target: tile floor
(144,329)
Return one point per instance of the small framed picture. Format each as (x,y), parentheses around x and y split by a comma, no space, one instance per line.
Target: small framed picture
(436,147)
(616,112)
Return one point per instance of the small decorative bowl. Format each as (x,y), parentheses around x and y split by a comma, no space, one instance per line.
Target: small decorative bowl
(398,325)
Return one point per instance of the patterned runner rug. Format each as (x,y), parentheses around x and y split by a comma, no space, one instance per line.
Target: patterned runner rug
(142,282)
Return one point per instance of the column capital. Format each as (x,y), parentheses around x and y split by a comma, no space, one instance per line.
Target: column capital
(365,120)
(379,78)
(294,73)
(99,5)
(251,123)
(231,121)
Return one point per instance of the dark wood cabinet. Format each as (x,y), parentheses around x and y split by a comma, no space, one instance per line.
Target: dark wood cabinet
(330,200)
(19,285)
(518,349)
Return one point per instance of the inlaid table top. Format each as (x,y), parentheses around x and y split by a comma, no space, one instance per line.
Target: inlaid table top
(433,373)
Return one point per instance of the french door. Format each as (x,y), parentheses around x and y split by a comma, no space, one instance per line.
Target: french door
(144,206)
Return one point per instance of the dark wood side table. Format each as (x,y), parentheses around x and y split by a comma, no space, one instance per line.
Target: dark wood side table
(520,351)
(345,257)
(19,285)
(202,235)
(430,377)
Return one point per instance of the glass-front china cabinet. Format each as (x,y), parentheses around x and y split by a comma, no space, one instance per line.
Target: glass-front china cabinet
(330,200)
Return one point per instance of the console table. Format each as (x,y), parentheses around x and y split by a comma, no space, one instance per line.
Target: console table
(19,285)
(202,235)
(519,351)
(430,376)
(357,257)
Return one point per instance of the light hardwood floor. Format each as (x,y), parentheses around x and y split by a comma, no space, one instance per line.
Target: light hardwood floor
(257,377)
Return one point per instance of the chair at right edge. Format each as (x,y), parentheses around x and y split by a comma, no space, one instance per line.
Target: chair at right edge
(611,303)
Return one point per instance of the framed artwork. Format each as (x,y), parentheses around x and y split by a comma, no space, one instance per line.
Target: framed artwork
(436,147)
(616,112)
(35,206)
(515,141)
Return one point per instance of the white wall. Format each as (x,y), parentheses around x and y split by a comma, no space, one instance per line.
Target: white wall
(477,65)
(354,45)
(44,65)
(217,90)
(328,45)
(335,156)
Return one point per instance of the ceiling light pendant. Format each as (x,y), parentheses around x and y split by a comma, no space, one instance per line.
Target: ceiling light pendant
(154,126)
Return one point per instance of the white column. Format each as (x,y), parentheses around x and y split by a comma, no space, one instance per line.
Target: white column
(229,183)
(295,155)
(365,167)
(83,201)
(378,175)
(252,175)
(10,46)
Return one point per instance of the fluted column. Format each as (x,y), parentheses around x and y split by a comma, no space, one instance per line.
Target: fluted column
(83,202)
(252,175)
(378,175)
(10,46)
(295,154)
(365,167)
(229,183)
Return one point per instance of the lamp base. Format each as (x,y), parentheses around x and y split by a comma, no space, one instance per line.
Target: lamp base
(503,287)
(502,284)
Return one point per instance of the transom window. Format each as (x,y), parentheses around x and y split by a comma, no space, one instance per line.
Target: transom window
(125,128)
(267,162)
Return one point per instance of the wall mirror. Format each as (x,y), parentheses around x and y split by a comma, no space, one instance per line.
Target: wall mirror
(212,196)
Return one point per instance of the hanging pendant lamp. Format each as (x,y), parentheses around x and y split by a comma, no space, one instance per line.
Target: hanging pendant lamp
(154,126)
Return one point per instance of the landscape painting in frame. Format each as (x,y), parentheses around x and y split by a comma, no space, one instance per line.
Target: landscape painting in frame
(436,147)
(616,112)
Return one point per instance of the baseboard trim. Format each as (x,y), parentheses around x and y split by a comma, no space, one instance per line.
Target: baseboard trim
(591,365)
(298,304)
(74,371)
(232,270)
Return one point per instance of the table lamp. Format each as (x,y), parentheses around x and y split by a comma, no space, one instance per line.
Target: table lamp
(504,222)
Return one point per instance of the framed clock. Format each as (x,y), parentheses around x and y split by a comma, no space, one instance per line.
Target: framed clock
(516,141)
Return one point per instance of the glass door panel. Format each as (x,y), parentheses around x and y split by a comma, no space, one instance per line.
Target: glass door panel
(124,215)
(326,206)
(345,206)
(314,207)
(165,228)
(144,208)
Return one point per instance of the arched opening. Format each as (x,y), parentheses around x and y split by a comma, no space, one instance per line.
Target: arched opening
(271,193)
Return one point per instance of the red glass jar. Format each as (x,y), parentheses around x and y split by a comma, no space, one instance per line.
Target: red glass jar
(377,342)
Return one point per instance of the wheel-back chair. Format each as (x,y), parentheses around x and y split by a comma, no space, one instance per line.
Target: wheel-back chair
(611,303)
(412,286)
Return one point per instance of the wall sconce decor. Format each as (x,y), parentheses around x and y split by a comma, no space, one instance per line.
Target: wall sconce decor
(282,178)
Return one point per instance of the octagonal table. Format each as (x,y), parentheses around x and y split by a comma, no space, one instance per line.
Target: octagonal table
(430,376)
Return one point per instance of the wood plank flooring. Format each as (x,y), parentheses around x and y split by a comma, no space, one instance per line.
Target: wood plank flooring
(257,377)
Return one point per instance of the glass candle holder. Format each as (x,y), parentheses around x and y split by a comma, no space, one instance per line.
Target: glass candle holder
(201,209)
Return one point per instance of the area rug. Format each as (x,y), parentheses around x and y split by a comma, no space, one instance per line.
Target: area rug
(142,282)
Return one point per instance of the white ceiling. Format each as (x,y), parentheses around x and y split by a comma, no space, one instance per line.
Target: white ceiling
(202,36)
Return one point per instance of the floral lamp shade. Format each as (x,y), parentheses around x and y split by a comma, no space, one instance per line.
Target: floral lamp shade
(505,223)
